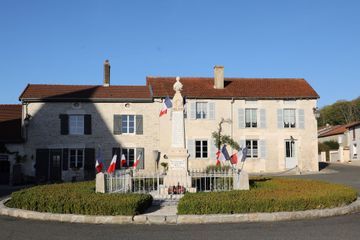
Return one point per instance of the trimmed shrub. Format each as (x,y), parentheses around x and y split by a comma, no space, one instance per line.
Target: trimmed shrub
(269,195)
(78,198)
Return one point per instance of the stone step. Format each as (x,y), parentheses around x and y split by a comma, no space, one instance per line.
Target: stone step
(165,202)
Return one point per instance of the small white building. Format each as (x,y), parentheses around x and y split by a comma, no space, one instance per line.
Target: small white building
(354,140)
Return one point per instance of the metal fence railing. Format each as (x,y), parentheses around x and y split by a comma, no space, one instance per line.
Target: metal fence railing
(212,181)
(137,182)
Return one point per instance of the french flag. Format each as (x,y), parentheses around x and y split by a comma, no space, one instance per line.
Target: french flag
(234,158)
(222,155)
(112,166)
(123,161)
(99,162)
(244,154)
(166,105)
(136,163)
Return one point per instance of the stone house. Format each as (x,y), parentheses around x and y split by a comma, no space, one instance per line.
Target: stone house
(346,136)
(66,126)
(11,143)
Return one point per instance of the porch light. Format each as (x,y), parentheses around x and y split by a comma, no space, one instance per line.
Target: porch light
(27,120)
(316,112)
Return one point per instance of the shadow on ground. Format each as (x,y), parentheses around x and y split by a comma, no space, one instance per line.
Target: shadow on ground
(323,165)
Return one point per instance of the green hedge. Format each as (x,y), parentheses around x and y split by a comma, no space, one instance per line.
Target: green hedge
(78,198)
(269,195)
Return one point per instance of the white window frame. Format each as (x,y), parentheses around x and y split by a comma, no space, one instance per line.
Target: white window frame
(287,114)
(250,150)
(77,158)
(202,149)
(253,120)
(202,110)
(128,124)
(76,124)
(126,152)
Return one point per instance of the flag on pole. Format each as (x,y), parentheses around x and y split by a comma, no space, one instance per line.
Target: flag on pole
(137,161)
(224,153)
(99,161)
(166,105)
(218,153)
(244,154)
(234,158)
(112,166)
(123,160)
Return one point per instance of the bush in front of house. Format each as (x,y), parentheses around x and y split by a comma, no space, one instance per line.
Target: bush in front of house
(269,195)
(78,198)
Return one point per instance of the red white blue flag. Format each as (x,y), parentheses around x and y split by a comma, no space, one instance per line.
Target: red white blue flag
(234,158)
(123,161)
(222,155)
(136,163)
(99,161)
(166,105)
(112,166)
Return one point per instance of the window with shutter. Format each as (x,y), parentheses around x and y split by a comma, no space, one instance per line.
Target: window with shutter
(301,116)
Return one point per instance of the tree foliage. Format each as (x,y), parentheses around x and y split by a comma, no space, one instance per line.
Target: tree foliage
(341,112)
(225,139)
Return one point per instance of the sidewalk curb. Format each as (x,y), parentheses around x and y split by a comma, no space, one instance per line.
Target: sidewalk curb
(180,219)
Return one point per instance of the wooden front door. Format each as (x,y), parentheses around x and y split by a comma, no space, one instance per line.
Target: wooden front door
(42,165)
(4,169)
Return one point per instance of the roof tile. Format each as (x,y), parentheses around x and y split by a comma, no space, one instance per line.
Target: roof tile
(10,123)
(234,87)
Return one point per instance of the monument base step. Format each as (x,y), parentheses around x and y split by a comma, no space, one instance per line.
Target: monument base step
(167,202)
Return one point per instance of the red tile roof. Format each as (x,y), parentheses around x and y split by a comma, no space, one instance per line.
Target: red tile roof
(10,123)
(260,88)
(335,130)
(332,130)
(62,92)
(354,124)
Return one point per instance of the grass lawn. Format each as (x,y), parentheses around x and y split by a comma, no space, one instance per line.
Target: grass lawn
(78,198)
(269,195)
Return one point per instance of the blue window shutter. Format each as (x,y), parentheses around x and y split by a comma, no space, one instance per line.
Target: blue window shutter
(191,148)
(262,118)
(140,152)
(301,118)
(212,111)
(262,144)
(280,118)
(241,118)
(192,106)
(213,149)
(139,124)
(117,124)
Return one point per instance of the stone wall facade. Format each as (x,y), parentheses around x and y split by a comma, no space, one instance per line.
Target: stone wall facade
(43,132)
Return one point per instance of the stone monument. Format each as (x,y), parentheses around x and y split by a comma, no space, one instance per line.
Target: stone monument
(178,155)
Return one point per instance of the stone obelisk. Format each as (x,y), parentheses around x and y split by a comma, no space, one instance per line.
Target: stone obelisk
(177,154)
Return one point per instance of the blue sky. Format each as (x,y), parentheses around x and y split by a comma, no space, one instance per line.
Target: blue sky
(66,42)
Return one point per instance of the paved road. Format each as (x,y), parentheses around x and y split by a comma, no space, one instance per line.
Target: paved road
(343,227)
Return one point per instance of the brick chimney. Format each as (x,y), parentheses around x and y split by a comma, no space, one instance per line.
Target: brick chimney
(106,73)
(219,77)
